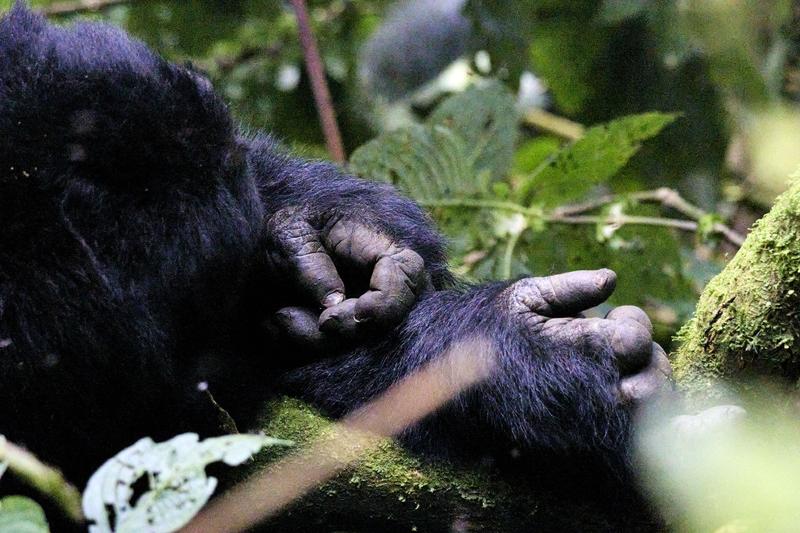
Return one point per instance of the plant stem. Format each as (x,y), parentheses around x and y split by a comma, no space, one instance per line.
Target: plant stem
(564,215)
(559,126)
(43,478)
(687,225)
(508,255)
(481,204)
(665,196)
(319,85)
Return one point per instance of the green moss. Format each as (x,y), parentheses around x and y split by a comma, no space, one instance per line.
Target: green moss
(392,489)
(746,321)
(386,465)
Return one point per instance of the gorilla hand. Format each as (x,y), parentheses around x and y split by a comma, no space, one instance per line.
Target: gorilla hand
(551,307)
(320,253)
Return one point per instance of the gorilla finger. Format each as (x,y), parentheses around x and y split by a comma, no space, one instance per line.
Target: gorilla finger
(396,282)
(632,345)
(304,254)
(563,294)
(661,360)
(300,325)
(652,381)
(357,244)
(319,278)
(642,386)
(631,312)
(629,341)
(340,320)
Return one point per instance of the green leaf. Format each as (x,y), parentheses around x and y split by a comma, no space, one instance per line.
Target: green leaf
(427,163)
(593,159)
(647,259)
(532,153)
(486,118)
(467,143)
(21,515)
(178,485)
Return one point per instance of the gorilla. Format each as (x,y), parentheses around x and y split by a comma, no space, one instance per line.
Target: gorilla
(154,253)
(417,40)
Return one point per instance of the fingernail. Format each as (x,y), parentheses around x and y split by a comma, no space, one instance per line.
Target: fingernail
(604,278)
(360,319)
(333,298)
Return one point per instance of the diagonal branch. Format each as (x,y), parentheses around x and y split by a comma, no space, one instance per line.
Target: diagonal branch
(322,95)
(666,197)
(571,214)
(554,124)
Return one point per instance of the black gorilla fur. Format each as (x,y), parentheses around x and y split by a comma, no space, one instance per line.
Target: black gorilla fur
(135,262)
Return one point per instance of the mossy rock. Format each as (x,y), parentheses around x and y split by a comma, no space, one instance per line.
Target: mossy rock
(747,322)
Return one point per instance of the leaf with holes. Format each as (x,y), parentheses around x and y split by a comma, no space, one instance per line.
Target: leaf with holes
(174,472)
(427,163)
(591,160)
(486,118)
(22,515)
(467,142)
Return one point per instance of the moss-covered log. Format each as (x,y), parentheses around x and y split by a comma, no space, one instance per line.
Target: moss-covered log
(390,489)
(746,323)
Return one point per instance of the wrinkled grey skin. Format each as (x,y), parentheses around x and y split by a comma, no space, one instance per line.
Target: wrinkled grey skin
(394,275)
(552,307)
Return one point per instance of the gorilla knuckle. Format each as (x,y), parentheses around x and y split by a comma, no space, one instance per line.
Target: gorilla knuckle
(524,296)
(547,291)
(409,262)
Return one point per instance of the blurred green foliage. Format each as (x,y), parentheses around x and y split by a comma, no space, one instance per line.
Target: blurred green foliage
(467,142)
(723,472)
(22,515)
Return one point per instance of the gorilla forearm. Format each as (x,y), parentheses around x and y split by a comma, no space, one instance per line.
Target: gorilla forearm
(540,396)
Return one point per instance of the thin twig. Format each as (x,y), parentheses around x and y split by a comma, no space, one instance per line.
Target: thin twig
(319,85)
(686,225)
(79,6)
(666,197)
(481,204)
(560,126)
(43,478)
(565,215)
